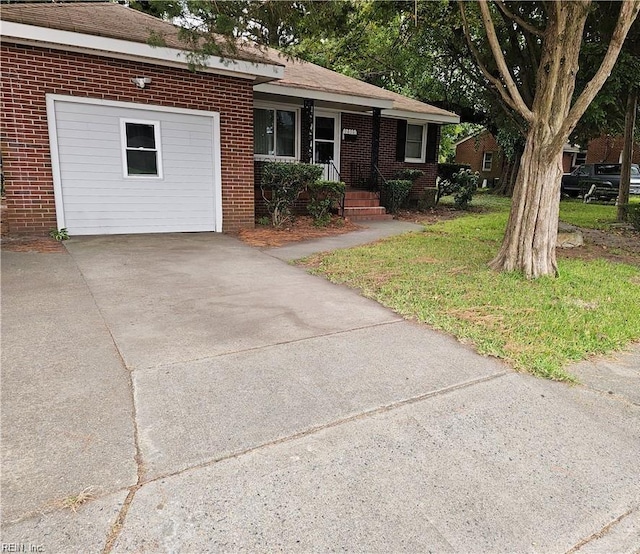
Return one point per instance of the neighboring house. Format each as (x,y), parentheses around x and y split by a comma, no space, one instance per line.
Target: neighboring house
(608,149)
(104,134)
(481,152)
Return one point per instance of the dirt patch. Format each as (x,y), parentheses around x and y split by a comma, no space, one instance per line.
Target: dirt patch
(45,245)
(301,229)
(616,245)
(431,215)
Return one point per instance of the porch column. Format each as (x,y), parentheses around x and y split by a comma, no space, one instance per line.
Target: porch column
(306,146)
(375,145)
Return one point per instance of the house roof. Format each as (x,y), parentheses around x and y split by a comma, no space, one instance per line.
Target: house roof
(109,19)
(473,135)
(126,33)
(301,77)
(113,30)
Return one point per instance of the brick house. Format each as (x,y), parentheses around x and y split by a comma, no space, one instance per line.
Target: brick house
(482,153)
(104,134)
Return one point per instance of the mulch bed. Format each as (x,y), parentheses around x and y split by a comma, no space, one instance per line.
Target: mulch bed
(45,245)
(301,229)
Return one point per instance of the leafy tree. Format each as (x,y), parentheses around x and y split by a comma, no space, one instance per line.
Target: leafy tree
(523,75)
(549,38)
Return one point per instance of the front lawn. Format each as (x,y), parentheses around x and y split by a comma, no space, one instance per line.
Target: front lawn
(440,277)
(592,215)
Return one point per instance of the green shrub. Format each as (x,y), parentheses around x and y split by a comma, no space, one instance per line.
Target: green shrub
(633,215)
(323,195)
(445,182)
(428,199)
(394,193)
(285,182)
(408,174)
(446,171)
(465,183)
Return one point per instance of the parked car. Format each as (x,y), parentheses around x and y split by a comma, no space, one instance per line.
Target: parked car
(605,177)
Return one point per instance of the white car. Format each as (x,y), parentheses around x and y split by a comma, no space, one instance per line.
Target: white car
(634,185)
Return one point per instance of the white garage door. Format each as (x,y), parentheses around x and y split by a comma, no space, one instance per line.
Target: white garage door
(130,168)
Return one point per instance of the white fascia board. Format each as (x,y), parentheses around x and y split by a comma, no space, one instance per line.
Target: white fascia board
(424,117)
(124,49)
(283,90)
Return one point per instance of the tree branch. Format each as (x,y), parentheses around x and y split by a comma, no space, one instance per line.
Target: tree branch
(493,80)
(628,13)
(517,19)
(517,100)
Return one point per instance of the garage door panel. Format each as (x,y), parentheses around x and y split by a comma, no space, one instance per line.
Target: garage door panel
(78,137)
(97,196)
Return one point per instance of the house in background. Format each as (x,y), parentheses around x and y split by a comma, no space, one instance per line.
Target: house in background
(481,152)
(484,155)
(104,134)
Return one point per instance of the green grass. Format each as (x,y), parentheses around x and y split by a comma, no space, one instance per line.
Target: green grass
(441,277)
(590,216)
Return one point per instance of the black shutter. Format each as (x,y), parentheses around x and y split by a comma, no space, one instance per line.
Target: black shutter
(401,140)
(433,135)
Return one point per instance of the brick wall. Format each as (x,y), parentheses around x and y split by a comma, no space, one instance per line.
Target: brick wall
(358,153)
(471,152)
(29,73)
(607,149)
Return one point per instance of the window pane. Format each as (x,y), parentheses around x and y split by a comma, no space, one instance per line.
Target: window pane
(325,128)
(286,133)
(142,162)
(414,133)
(324,152)
(263,132)
(414,150)
(140,135)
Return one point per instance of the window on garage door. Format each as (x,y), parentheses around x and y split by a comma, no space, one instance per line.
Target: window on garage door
(141,148)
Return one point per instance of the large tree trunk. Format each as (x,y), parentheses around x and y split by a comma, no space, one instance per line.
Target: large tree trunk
(530,239)
(531,234)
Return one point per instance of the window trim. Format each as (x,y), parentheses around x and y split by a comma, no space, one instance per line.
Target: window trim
(423,148)
(297,131)
(124,148)
(485,166)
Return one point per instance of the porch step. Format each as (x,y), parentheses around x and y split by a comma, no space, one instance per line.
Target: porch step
(362,212)
(377,217)
(355,194)
(361,202)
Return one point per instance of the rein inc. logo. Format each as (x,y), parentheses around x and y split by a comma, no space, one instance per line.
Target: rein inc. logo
(21,547)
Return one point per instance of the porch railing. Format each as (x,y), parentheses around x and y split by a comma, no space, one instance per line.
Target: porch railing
(333,174)
(367,177)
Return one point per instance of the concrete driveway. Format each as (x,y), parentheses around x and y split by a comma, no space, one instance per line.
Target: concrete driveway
(201,395)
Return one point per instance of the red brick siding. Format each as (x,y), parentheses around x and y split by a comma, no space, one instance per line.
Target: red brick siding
(471,152)
(356,156)
(358,153)
(607,149)
(29,73)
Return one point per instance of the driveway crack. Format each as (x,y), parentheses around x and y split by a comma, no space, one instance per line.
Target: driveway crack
(116,527)
(602,532)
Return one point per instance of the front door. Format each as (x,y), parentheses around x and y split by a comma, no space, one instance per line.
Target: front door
(326,144)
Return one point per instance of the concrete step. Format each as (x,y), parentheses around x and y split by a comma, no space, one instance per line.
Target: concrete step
(367,210)
(378,217)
